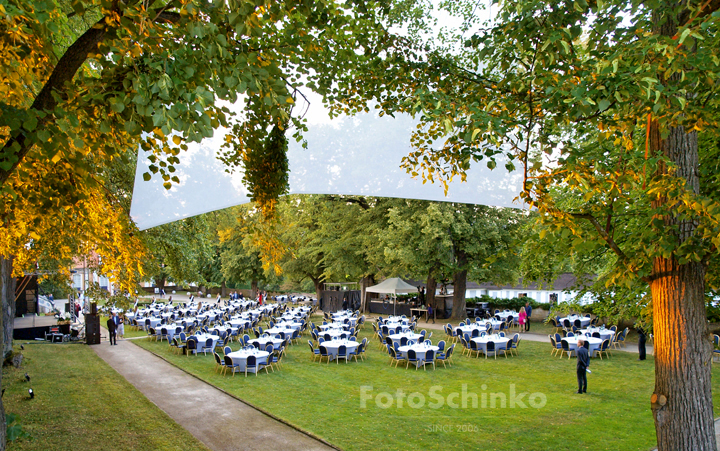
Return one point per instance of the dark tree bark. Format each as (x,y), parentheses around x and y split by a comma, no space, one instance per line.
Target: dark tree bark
(8,306)
(318,287)
(223,289)
(254,289)
(430,287)
(365,282)
(682,402)
(7,295)
(459,285)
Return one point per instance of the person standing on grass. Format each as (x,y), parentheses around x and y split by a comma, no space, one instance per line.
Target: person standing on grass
(522,319)
(583,362)
(641,342)
(528,312)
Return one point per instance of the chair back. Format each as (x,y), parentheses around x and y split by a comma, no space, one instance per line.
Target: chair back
(578,323)
(412,355)
(227,350)
(490,346)
(566,323)
(430,355)
(565,345)
(251,362)
(475,333)
(323,351)
(342,350)
(596,334)
(441,345)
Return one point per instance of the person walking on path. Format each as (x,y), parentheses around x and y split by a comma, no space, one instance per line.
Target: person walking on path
(430,314)
(528,312)
(583,362)
(112,328)
(641,342)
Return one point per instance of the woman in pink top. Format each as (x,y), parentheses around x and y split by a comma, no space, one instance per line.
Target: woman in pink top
(522,317)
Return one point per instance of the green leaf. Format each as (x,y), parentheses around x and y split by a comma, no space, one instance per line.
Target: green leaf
(147,176)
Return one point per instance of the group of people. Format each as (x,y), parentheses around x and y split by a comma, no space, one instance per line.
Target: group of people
(116,326)
(524,317)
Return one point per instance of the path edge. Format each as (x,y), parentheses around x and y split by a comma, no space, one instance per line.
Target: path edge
(259,409)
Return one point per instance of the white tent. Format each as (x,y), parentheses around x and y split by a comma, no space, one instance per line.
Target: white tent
(392,286)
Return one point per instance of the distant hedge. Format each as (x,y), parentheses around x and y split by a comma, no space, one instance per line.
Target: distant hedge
(509,303)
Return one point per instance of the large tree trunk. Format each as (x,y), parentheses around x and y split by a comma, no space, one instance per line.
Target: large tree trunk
(223,290)
(254,289)
(682,402)
(459,286)
(430,287)
(8,306)
(318,288)
(365,282)
(682,406)
(7,296)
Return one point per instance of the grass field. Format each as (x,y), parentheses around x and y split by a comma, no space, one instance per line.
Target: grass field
(83,404)
(327,400)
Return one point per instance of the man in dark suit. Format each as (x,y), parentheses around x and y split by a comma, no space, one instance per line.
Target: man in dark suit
(641,342)
(112,328)
(583,362)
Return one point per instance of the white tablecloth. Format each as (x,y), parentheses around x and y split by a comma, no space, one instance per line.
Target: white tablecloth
(585,321)
(420,350)
(276,342)
(409,335)
(605,334)
(500,342)
(513,315)
(333,345)
(333,333)
(202,338)
(240,358)
(333,326)
(594,343)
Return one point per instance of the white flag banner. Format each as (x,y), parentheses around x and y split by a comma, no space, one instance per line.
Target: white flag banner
(358,155)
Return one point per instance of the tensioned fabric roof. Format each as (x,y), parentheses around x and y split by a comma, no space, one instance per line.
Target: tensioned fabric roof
(358,155)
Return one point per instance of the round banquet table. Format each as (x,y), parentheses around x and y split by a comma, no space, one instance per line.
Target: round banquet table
(594,343)
(409,335)
(240,357)
(500,342)
(420,350)
(333,345)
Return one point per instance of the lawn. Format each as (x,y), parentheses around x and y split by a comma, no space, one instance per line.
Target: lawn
(83,404)
(327,400)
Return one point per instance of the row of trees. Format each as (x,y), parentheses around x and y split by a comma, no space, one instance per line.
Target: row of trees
(339,238)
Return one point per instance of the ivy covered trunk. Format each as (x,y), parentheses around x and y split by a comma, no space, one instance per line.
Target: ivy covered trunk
(8,306)
(7,295)
(318,288)
(682,401)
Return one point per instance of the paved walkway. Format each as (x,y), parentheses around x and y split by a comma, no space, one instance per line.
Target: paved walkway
(215,418)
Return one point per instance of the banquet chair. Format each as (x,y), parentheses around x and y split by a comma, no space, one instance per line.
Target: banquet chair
(554,344)
(252,362)
(173,344)
(403,341)
(227,350)
(475,333)
(219,363)
(445,357)
(191,346)
(152,333)
(412,357)
(596,335)
(208,346)
(565,347)
(393,356)
(514,344)
(429,358)
(324,354)
(604,348)
(578,323)
(555,324)
(465,345)
(360,351)
(474,348)
(342,354)
(490,347)
(315,352)
(567,324)
(441,346)
(277,357)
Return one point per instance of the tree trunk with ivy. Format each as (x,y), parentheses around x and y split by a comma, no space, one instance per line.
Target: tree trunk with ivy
(365,282)
(8,303)
(682,400)
(7,293)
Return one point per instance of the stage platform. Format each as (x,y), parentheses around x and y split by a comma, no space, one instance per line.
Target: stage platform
(33,327)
